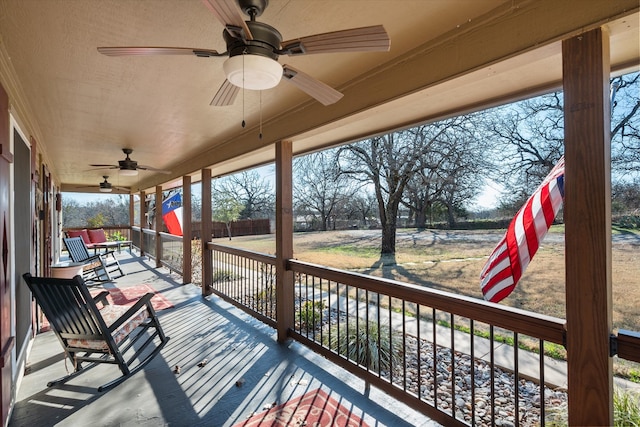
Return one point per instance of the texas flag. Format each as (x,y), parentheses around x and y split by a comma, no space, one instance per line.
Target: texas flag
(172,214)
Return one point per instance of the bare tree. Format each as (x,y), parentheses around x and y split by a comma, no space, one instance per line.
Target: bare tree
(114,211)
(529,136)
(320,188)
(625,124)
(450,174)
(362,207)
(253,191)
(389,162)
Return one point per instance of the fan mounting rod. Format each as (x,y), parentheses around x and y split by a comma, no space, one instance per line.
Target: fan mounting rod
(253,8)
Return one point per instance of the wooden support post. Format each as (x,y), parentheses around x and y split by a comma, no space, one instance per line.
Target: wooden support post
(284,240)
(143,221)
(205,234)
(131,215)
(587,216)
(157,225)
(186,229)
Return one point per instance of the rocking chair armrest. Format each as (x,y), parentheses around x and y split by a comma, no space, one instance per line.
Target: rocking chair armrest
(144,300)
(102,297)
(92,258)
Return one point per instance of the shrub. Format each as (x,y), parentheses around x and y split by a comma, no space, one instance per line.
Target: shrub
(222,275)
(372,346)
(117,236)
(310,314)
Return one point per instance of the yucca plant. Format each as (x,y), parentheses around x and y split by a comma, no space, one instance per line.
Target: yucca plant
(626,408)
(369,345)
(626,411)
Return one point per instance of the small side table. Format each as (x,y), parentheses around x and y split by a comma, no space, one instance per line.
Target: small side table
(66,270)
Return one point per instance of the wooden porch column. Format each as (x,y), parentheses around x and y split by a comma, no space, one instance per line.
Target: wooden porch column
(131,214)
(157,225)
(205,234)
(143,220)
(284,239)
(186,229)
(587,215)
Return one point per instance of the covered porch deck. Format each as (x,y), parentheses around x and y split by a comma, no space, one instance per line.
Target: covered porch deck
(246,372)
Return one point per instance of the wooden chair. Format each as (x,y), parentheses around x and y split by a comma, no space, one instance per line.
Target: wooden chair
(98,335)
(98,267)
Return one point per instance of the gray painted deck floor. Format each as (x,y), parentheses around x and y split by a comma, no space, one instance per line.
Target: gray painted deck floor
(246,372)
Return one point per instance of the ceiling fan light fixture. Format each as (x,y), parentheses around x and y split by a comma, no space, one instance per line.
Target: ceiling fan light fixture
(105,189)
(128,172)
(254,72)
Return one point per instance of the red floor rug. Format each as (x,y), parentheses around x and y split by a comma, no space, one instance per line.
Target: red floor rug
(316,408)
(124,296)
(130,294)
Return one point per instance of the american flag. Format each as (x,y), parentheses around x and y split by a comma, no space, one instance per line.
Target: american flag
(527,229)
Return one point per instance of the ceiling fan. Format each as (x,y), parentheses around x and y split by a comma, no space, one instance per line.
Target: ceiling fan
(253,49)
(104,187)
(129,167)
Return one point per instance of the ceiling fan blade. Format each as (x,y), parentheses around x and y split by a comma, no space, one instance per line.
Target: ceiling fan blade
(325,94)
(225,95)
(151,50)
(365,39)
(149,168)
(228,12)
(105,166)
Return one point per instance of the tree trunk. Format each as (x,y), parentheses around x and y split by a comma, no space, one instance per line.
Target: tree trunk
(389,236)
(451,217)
(421,219)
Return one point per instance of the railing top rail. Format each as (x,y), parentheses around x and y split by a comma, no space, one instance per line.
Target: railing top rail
(169,236)
(148,231)
(267,259)
(104,227)
(628,345)
(537,325)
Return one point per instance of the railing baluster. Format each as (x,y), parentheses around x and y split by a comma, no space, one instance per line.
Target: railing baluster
(419,352)
(542,388)
(453,366)
(435,358)
(472,373)
(404,347)
(390,317)
(516,381)
(492,366)
(379,339)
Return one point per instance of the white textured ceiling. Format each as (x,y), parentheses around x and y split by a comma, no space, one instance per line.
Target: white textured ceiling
(83,107)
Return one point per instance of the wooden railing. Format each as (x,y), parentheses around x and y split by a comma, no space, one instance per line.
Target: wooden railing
(459,360)
(149,242)
(626,345)
(171,252)
(247,280)
(170,248)
(136,235)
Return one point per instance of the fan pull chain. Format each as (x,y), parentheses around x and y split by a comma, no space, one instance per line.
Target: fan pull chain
(260,134)
(243,122)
